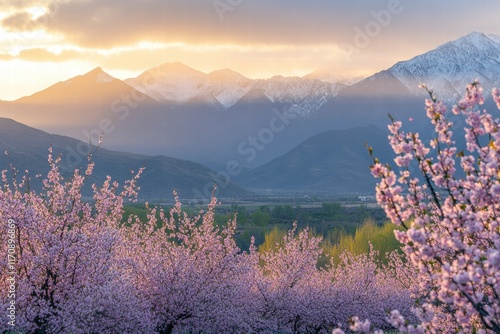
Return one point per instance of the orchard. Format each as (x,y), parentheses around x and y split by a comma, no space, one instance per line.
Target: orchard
(78,268)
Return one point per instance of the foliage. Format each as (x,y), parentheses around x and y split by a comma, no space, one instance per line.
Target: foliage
(273,240)
(381,238)
(331,209)
(260,218)
(283,212)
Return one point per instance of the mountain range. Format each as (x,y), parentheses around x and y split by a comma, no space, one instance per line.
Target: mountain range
(177,83)
(255,130)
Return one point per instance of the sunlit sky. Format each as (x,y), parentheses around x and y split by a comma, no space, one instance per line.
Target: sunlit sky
(46,41)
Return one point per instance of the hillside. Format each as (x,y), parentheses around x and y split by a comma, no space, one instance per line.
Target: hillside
(335,161)
(27,149)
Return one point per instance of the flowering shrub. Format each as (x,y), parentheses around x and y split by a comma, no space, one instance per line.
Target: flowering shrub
(449,206)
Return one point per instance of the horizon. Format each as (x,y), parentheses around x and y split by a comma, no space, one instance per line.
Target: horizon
(61,39)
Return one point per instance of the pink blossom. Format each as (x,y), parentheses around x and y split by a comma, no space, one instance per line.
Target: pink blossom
(451,221)
(496,96)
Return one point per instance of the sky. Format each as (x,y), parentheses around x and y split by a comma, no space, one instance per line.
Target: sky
(46,41)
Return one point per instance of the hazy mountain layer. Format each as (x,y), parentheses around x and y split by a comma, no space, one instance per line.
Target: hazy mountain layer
(335,161)
(27,149)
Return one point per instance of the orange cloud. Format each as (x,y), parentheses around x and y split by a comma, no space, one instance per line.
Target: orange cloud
(45,55)
(42,55)
(19,22)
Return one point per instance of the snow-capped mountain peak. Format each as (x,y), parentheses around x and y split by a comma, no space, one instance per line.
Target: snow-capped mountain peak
(477,39)
(175,69)
(451,66)
(169,82)
(227,86)
(95,75)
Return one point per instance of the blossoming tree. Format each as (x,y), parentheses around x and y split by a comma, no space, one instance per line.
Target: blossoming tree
(448,201)
(66,275)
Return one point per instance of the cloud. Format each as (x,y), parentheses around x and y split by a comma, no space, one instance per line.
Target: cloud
(108,23)
(7,5)
(20,22)
(257,34)
(43,55)
(5,56)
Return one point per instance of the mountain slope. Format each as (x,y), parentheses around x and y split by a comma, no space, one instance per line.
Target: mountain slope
(370,101)
(303,95)
(333,161)
(80,101)
(334,78)
(27,149)
(81,89)
(227,86)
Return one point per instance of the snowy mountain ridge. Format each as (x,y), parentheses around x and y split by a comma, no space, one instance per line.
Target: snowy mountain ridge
(178,83)
(304,95)
(450,67)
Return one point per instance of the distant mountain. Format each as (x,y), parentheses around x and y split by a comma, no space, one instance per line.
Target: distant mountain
(178,83)
(446,70)
(335,161)
(451,66)
(170,82)
(94,86)
(72,106)
(370,101)
(27,149)
(334,78)
(227,86)
(494,38)
(303,95)
(95,103)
